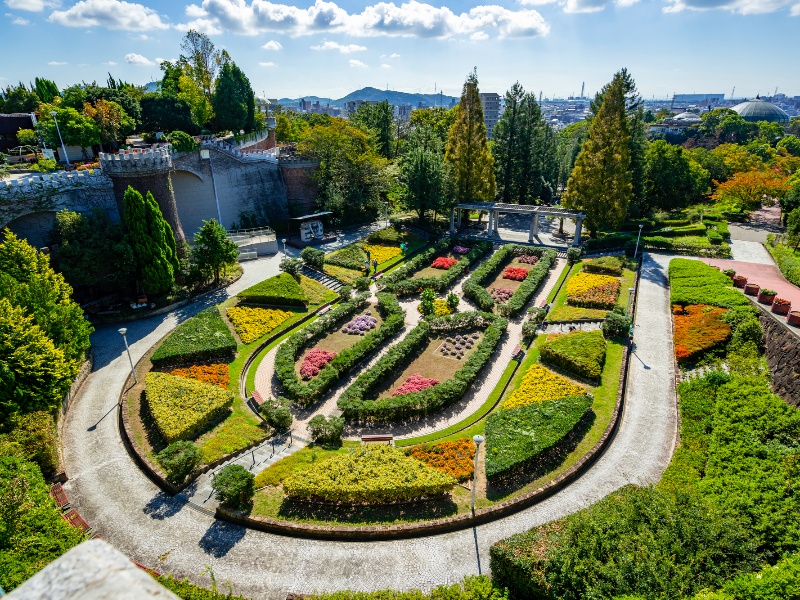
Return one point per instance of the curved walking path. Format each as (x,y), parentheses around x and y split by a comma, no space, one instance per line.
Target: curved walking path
(164,533)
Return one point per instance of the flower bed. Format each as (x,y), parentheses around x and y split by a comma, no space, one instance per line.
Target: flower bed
(602,297)
(253,323)
(281,290)
(361,325)
(528,259)
(515,273)
(443,262)
(181,408)
(215,374)
(457,345)
(581,283)
(380,252)
(415,383)
(204,337)
(460,249)
(501,295)
(539,385)
(455,458)
(582,353)
(314,361)
(694,282)
(698,329)
(372,474)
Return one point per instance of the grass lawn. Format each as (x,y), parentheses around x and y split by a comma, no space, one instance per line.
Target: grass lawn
(344,275)
(561,311)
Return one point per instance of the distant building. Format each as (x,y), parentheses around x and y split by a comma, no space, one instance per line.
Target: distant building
(404,112)
(675,125)
(704,100)
(304,105)
(490,102)
(760,110)
(351,106)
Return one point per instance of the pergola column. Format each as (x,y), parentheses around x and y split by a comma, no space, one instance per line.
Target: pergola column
(452,221)
(458,218)
(489,231)
(534,230)
(578,227)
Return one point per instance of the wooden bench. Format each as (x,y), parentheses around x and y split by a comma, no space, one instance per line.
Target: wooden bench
(258,399)
(73,518)
(376,439)
(58,494)
(517,351)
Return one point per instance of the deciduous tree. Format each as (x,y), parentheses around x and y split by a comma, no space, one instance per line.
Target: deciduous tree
(747,190)
(212,249)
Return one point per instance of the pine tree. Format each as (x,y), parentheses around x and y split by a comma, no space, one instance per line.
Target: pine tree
(600,184)
(468,148)
(212,248)
(506,144)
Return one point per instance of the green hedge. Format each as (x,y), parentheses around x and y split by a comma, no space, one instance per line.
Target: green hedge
(612,241)
(181,408)
(519,437)
(720,226)
(280,290)
(694,282)
(306,392)
(204,337)
(355,404)
(186,590)
(693,229)
(581,353)
(474,288)
(788,261)
(475,587)
(679,247)
(349,257)
(604,265)
(400,280)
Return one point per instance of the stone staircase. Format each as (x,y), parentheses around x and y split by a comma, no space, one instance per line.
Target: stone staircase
(324,279)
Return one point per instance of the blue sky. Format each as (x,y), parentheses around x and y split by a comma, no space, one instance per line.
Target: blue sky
(331,48)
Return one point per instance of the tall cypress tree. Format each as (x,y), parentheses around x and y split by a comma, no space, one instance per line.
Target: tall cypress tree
(506,144)
(600,184)
(468,148)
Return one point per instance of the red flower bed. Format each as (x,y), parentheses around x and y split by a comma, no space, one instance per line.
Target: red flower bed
(216,374)
(314,361)
(415,383)
(528,259)
(443,262)
(602,297)
(515,273)
(698,328)
(455,458)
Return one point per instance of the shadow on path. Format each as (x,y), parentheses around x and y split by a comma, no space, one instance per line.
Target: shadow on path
(163,506)
(220,538)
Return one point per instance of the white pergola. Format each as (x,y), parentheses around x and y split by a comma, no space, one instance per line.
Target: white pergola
(495,208)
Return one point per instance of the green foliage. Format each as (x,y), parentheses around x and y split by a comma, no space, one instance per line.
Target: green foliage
(183,407)
(779,582)
(204,337)
(476,587)
(27,137)
(788,261)
(19,100)
(76,128)
(291,266)
(608,242)
(326,430)
(573,255)
(693,229)
(233,99)
(362,283)
(371,474)
(616,326)
(233,486)
(581,353)
(164,112)
(281,290)
(425,178)
(426,301)
(186,590)
(690,246)
(179,459)
(694,282)
(212,249)
(182,141)
(277,414)
(349,257)
(313,257)
(604,265)
(35,434)
(377,121)
(520,438)
(670,181)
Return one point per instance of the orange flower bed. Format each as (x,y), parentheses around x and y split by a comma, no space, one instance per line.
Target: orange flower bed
(454,458)
(216,374)
(698,328)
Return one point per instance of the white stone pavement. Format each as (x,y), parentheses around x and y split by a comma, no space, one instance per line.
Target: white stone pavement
(752,252)
(130,512)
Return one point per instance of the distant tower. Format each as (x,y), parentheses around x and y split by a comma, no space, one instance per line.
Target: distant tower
(583,83)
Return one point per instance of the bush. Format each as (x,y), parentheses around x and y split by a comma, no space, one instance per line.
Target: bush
(573,255)
(326,430)
(694,282)
(179,459)
(604,265)
(581,353)
(186,590)
(616,326)
(204,337)
(349,257)
(609,242)
(362,284)
(346,292)
(233,486)
(313,257)
(281,290)
(697,329)
(277,414)
(253,323)
(218,374)
(476,587)
(292,266)
(35,435)
(714,237)
(182,141)
(694,229)
(690,247)
(519,438)
(372,474)
(788,261)
(181,408)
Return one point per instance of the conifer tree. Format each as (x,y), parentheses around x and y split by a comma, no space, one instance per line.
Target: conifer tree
(468,148)
(212,248)
(600,184)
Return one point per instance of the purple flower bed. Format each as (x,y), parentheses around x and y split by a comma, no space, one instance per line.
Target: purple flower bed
(456,346)
(460,249)
(361,324)
(500,294)
(528,259)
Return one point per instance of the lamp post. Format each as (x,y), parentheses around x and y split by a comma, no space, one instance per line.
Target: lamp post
(386,208)
(478,439)
(635,252)
(58,129)
(283,241)
(122,332)
(630,297)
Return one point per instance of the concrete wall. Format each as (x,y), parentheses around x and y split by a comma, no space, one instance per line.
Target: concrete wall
(783,357)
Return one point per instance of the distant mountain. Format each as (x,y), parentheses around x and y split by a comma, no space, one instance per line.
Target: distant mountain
(294,101)
(375,95)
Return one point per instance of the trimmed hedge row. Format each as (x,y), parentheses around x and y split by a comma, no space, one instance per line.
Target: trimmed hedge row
(281,290)
(694,282)
(357,407)
(604,265)
(474,287)
(349,257)
(306,392)
(399,281)
(518,437)
(693,229)
(662,243)
(204,337)
(609,242)
(788,261)
(582,353)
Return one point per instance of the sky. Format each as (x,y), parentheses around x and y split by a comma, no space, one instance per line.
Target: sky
(328,49)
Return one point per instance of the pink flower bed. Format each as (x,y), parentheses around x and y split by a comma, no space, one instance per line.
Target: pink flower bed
(460,249)
(500,294)
(314,361)
(415,383)
(528,259)
(515,273)
(443,262)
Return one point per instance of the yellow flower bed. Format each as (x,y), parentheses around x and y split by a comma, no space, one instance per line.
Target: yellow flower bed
(382,253)
(583,282)
(440,308)
(539,385)
(252,323)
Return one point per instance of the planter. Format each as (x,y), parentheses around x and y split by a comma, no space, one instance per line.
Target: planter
(730,273)
(782,308)
(793,318)
(752,289)
(739,281)
(766,298)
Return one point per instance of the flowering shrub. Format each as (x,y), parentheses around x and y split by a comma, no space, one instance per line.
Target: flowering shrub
(540,384)
(781,302)
(314,360)
(602,297)
(528,259)
(454,458)
(583,282)
(698,328)
(515,273)
(500,294)
(253,323)
(443,262)
(460,249)
(216,374)
(361,324)
(380,252)
(441,307)
(415,383)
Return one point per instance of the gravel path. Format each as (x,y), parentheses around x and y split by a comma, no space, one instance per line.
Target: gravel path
(165,533)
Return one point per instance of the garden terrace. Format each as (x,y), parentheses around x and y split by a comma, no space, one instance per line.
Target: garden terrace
(592,302)
(347,264)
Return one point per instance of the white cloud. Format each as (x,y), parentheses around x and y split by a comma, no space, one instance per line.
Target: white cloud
(137,59)
(55,63)
(395,55)
(357,64)
(796,10)
(272,45)
(743,7)
(20,21)
(584,6)
(159,60)
(267,64)
(31,5)
(111,14)
(479,36)
(343,48)
(110,63)
(385,66)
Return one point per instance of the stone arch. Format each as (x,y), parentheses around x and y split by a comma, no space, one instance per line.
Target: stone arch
(194,198)
(34,227)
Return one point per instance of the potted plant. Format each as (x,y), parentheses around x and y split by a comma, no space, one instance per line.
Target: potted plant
(780,306)
(752,289)
(729,272)
(766,296)
(739,281)
(793,318)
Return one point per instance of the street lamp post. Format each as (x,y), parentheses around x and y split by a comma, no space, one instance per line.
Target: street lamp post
(122,332)
(386,208)
(478,439)
(283,241)
(58,129)
(635,252)
(630,297)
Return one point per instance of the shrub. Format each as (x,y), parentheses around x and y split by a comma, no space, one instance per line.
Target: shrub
(609,242)
(427,297)
(373,474)
(277,414)
(362,284)
(415,383)
(616,325)
(292,266)
(216,374)
(580,352)
(349,257)
(714,237)
(694,282)
(539,385)
(455,458)
(698,328)
(573,255)
(182,408)
(501,295)
(604,265)
(520,437)
(233,486)
(313,257)
(747,331)
(475,587)
(528,259)
(788,261)
(282,290)
(186,590)
(694,229)
(452,300)
(361,324)
(443,262)
(182,141)
(35,434)
(252,323)
(690,246)
(460,249)
(314,361)
(326,430)
(179,459)
(204,337)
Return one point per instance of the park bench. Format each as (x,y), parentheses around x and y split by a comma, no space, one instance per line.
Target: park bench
(258,399)
(58,494)
(517,351)
(377,439)
(73,518)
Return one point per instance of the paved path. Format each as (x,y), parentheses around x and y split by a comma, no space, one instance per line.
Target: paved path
(131,513)
(745,251)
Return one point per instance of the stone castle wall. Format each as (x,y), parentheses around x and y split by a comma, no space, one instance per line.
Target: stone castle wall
(783,356)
